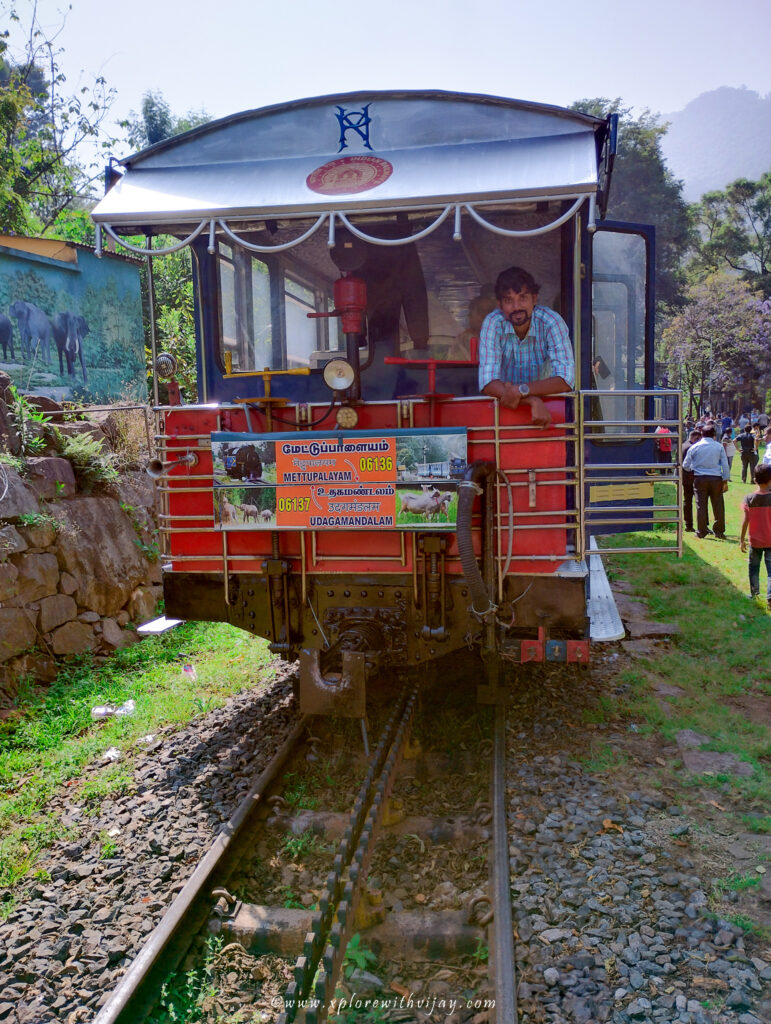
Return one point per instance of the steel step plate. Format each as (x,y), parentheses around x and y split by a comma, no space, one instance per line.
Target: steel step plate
(604,620)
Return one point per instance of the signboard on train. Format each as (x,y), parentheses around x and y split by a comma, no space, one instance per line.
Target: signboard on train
(349,480)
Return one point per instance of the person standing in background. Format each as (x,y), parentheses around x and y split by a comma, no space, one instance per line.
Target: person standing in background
(730,450)
(707,459)
(693,437)
(748,450)
(663,446)
(767,440)
(757,521)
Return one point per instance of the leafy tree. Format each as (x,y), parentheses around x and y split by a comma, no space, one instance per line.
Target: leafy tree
(156,122)
(736,231)
(172,274)
(43,127)
(719,340)
(643,190)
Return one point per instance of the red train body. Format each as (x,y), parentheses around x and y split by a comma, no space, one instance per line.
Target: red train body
(474,529)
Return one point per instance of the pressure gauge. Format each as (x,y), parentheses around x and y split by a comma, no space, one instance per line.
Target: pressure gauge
(347,417)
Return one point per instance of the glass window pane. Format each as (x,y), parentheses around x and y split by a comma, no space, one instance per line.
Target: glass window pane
(245,321)
(618,325)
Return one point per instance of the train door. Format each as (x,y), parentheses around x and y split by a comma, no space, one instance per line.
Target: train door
(617,381)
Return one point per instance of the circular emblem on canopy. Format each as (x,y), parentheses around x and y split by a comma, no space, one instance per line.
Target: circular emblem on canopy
(350,174)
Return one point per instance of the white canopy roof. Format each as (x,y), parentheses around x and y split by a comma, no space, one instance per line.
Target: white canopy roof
(355,152)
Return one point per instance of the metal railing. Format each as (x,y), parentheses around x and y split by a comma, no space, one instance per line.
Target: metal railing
(632,482)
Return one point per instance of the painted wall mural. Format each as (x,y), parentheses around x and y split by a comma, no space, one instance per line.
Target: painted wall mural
(71,328)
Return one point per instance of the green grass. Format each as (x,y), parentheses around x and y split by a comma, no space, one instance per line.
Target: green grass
(721,651)
(735,883)
(602,758)
(183,998)
(303,845)
(53,739)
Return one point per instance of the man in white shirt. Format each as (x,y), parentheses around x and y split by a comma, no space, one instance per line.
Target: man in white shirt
(767,439)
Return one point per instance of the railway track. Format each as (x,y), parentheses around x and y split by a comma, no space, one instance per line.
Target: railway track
(358,883)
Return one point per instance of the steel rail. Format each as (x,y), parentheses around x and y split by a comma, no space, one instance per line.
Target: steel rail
(503,952)
(316,970)
(138,989)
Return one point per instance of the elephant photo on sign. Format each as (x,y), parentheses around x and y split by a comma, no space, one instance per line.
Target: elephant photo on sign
(34,330)
(69,331)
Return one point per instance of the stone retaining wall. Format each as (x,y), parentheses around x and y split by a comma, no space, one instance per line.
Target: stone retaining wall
(76,570)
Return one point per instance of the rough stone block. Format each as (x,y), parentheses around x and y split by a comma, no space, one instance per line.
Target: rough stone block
(141,605)
(55,611)
(51,477)
(116,637)
(72,638)
(42,536)
(40,667)
(38,576)
(84,427)
(91,617)
(11,542)
(9,574)
(18,498)
(67,583)
(135,489)
(99,550)
(17,632)
(699,762)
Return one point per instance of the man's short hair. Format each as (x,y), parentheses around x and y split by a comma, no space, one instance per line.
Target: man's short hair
(708,430)
(515,279)
(762,473)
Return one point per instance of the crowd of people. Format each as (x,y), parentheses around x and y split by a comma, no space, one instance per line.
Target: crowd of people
(710,445)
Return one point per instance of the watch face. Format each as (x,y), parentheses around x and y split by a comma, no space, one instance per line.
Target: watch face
(524,390)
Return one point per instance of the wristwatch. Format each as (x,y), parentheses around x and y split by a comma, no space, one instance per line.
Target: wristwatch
(524,390)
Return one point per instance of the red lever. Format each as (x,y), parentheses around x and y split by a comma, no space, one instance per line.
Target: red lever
(433,363)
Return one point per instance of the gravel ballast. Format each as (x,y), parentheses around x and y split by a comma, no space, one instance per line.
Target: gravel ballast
(612,894)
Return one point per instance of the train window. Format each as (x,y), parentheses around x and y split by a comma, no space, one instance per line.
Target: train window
(440,290)
(246,329)
(425,299)
(618,326)
(301,333)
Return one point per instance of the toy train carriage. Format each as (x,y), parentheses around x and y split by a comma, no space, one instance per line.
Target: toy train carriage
(343,489)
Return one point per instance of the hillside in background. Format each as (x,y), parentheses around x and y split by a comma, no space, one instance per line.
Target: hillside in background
(720,136)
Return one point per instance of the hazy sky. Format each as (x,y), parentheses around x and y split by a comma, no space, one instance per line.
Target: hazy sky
(230,55)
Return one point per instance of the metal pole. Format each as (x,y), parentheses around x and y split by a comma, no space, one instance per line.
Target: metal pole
(505,975)
(138,989)
(151,303)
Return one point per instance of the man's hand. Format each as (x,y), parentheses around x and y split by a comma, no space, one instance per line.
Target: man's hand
(743,545)
(725,486)
(539,411)
(511,396)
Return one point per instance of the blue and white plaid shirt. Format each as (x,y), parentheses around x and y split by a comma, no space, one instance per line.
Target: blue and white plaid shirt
(545,352)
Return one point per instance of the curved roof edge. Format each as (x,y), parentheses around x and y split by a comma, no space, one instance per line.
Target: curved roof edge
(483,99)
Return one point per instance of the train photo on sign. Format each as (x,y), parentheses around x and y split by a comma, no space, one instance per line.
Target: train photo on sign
(348,485)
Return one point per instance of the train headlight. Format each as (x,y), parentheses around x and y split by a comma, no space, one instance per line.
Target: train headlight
(165,365)
(347,417)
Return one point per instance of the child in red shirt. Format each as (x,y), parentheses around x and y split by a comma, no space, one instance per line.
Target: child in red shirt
(757,519)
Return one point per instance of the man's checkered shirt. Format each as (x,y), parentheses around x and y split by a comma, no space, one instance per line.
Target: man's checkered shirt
(502,356)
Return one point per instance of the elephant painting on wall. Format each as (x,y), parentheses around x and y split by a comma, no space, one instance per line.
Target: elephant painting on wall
(84,310)
(69,330)
(34,330)
(6,336)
